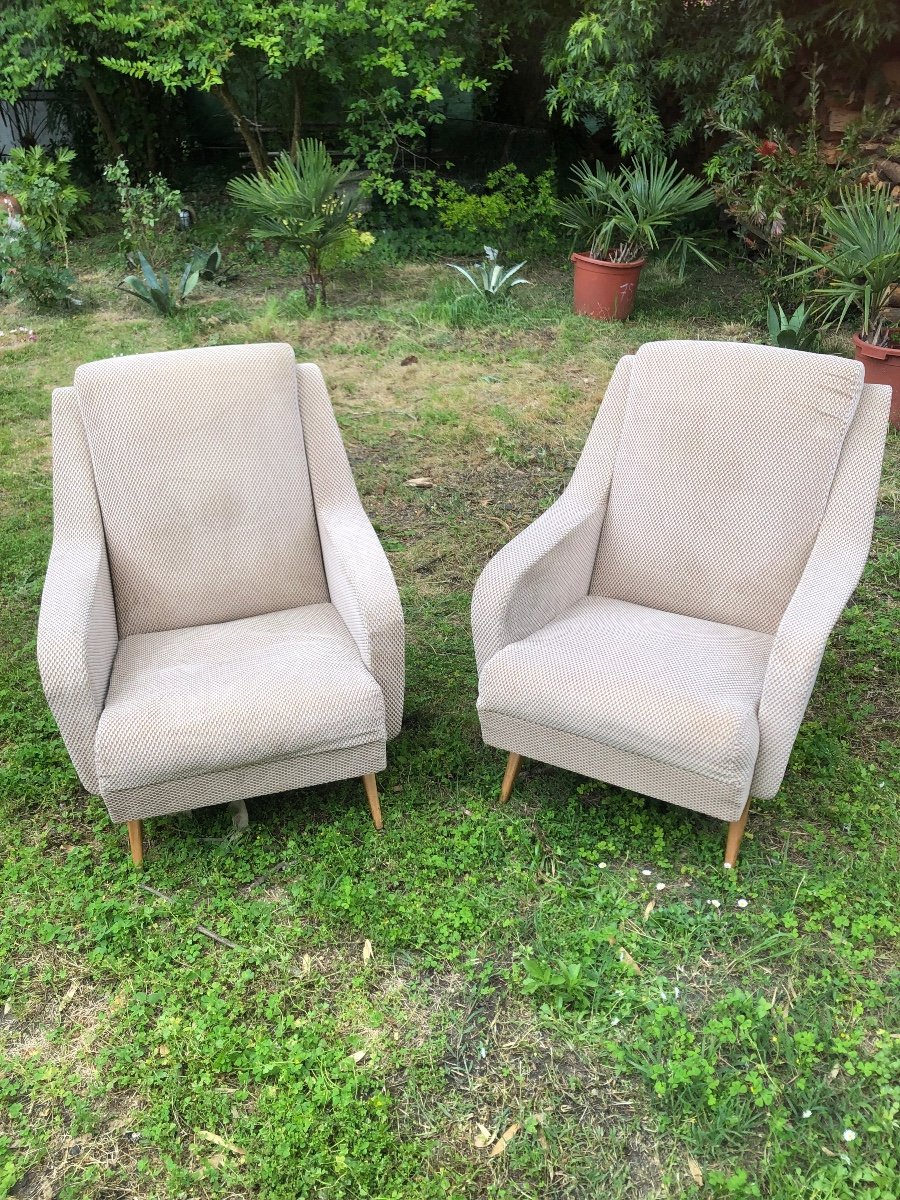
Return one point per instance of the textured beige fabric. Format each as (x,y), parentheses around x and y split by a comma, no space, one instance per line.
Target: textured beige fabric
(829,577)
(283,684)
(242,783)
(548,566)
(722,474)
(622,768)
(360,583)
(749,529)
(77,633)
(670,689)
(203,485)
(213,709)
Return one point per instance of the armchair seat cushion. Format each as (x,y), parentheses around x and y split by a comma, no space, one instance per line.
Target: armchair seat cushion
(192,702)
(660,688)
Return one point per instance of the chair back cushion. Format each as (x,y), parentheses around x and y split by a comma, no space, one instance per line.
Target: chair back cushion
(201,475)
(723,470)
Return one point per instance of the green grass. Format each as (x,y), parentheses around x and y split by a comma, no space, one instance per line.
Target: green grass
(141,1057)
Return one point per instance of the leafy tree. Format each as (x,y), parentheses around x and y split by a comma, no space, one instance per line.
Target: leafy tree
(656,69)
(392,59)
(60,44)
(43,40)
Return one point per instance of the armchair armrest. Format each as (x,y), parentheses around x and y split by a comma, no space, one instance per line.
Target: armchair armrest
(548,567)
(538,575)
(360,581)
(832,571)
(77,629)
(363,591)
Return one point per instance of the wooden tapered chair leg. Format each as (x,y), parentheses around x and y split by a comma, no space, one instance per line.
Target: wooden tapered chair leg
(372,797)
(735,833)
(136,841)
(509,776)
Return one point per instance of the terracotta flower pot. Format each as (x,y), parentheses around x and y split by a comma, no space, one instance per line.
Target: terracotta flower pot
(882,364)
(10,205)
(605,290)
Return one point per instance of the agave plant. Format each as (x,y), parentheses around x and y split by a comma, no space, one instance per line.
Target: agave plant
(154,289)
(306,202)
(791,332)
(489,279)
(856,260)
(624,217)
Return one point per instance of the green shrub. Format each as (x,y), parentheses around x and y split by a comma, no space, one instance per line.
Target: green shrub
(512,212)
(30,274)
(306,203)
(43,185)
(147,210)
(775,185)
(855,261)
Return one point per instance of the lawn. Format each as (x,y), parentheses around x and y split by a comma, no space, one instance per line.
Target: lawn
(565,997)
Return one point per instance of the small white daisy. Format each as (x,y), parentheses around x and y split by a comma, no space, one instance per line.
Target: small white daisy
(660,887)
(602,866)
(849,1135)
(715,903)
(742,903)
(646,872)
(807,1112)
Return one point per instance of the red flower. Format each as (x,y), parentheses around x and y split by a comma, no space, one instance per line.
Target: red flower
(767,148)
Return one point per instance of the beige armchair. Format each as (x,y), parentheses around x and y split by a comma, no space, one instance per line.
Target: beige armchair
(660,627)
(219,620)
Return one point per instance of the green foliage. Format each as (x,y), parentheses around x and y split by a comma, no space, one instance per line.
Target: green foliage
(628,215)
(389,65)
(30,274)
(655,69)
(791,333)
(489,280)
(512,211)
(567,985)
(857,256)
(774,185)
(147,210)
(43,185)
(306,202)
(35,47)
(154,289)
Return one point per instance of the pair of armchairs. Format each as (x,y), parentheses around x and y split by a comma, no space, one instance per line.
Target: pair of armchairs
(219,620)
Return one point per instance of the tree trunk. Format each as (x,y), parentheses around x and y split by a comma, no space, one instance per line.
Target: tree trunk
(251,138)
(298,112)
(102,114)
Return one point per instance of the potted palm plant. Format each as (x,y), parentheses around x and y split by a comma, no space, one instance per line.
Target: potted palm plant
(620,219)
(856,261)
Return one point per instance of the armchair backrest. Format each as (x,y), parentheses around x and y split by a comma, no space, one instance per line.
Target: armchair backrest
(202,480)
(723,470)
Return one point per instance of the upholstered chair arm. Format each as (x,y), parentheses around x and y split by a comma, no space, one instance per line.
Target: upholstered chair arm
(548,566)
(360,581)
(832,571)
(538,575)
(77,630)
